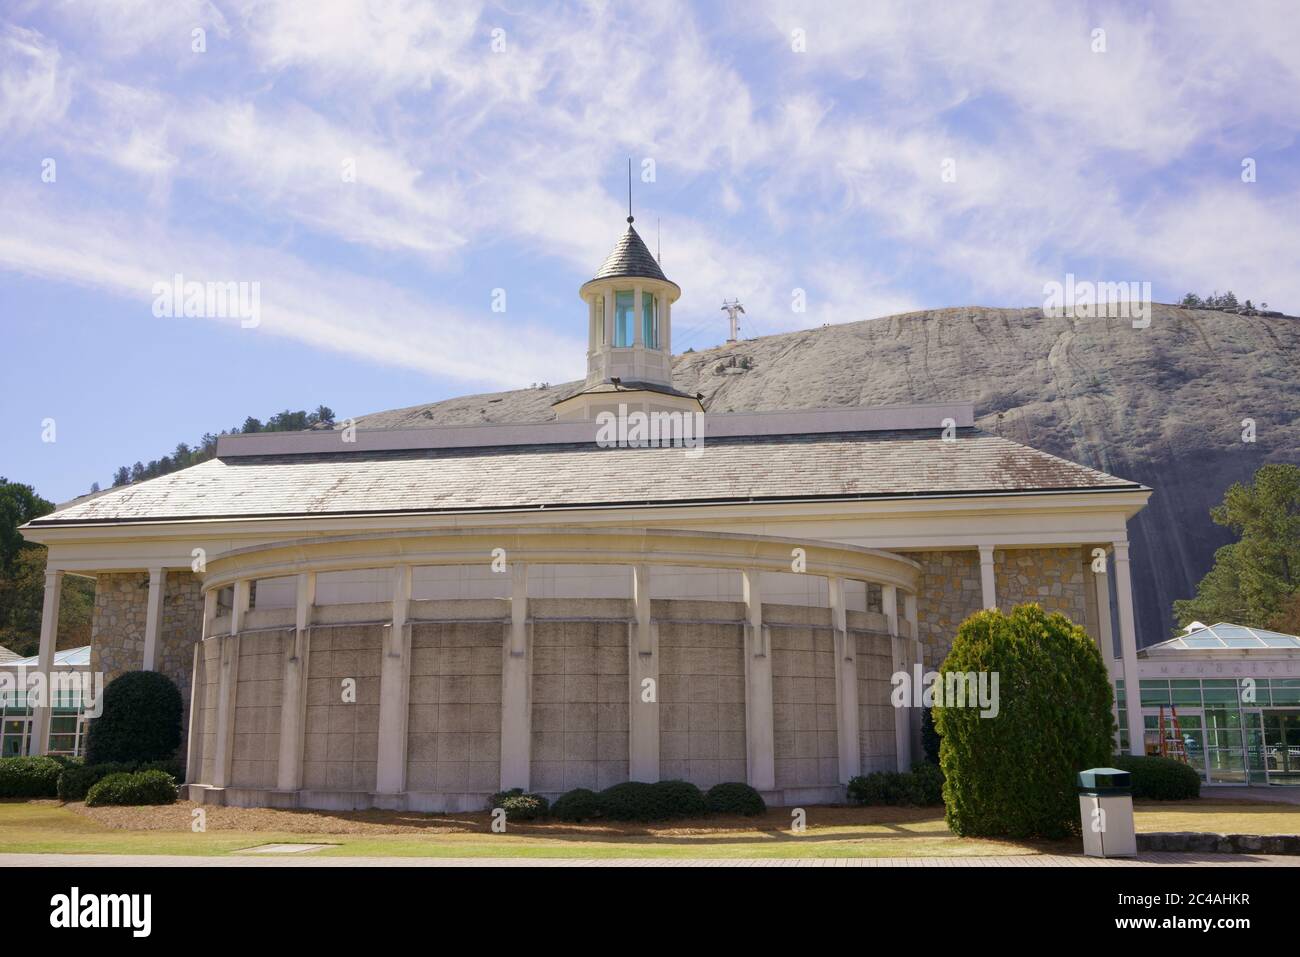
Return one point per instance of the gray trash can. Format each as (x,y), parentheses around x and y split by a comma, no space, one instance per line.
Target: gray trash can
(1106,811)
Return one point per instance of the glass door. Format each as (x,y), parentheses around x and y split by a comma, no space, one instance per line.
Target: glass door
(13,742)
(1281,746)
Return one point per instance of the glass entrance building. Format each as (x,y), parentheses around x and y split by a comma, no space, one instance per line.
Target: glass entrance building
(1234,693)
(68,714)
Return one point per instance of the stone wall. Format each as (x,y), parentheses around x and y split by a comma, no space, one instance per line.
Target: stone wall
(804,722)
(182,628)
(1052,577)
(454,721)
(948,592)
(701,698)
(875,661)
(256,748)
(580,705)
(341,743)
(118,624)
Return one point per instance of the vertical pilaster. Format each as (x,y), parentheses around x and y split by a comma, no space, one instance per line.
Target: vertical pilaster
(915,658)
(394,688)
(153,617)
(40,739)
(760,746)
(1128,649)
(988,578)
(227,680)
(643,684)
(194,735)
(293,708)
(846,685)
(900,648)
(516,688)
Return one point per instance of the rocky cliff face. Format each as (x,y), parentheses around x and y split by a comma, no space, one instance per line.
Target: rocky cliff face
(1163,405)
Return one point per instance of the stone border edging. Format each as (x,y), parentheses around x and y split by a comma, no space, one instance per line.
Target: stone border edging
(1207,842)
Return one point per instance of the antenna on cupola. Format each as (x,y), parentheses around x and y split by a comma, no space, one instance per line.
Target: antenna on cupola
(629,191)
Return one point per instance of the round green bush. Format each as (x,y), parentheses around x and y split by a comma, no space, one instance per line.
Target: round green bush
(734,797)
(132,788)
(677,799)
(920,787)
(520,805)
(629,801)
(1159,779)
(580,804)
(1014,774)
(31,777)
(141,720)
(76,780)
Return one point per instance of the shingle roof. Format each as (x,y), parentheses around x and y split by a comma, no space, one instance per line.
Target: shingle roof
(630,257)
(730,470)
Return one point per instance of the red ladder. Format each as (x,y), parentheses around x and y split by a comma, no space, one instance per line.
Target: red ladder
(1171,745)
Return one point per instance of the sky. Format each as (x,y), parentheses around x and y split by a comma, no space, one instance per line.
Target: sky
(385,174)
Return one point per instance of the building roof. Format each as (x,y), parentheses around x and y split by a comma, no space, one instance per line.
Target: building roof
(68,658)
(1226,637)
(7,655)
(734,469)
(630,257)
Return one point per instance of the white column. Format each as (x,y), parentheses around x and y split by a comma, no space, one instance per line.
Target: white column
(900,653)
(293,700)
(916,657)
(988,579)
(40,739)
(609,318)
(760,746)
(1128,648)
(643,684)
(153,617)
(209,611)
(516,688)
(665,325)
(637,338)
(193,736)
(846,685)
(228,679)
(394,688)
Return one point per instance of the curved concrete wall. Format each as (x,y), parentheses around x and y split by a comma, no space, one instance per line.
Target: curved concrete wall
(578,654)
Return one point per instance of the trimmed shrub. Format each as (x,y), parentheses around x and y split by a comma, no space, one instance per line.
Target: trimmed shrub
(141,720)
(929,738)
(629,801)
(677,799)
(920,787)
(661,801)
(29,777)
(133,788)
(1014,774)
(520,805)
(76,780)
(734,797)
(580,804)
(1159,779)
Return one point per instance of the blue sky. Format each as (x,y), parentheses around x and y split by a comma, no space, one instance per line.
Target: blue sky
(476,168)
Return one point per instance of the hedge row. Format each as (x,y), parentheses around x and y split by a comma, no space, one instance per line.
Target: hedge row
(633,801)
(1159,779)
(67,778)
(920,787)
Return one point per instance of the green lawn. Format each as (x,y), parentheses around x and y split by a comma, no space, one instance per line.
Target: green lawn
(48,827)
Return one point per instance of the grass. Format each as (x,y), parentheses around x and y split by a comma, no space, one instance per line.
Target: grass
(50,827)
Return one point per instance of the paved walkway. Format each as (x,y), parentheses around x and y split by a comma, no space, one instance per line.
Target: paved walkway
(1273,795)
(1037,860)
